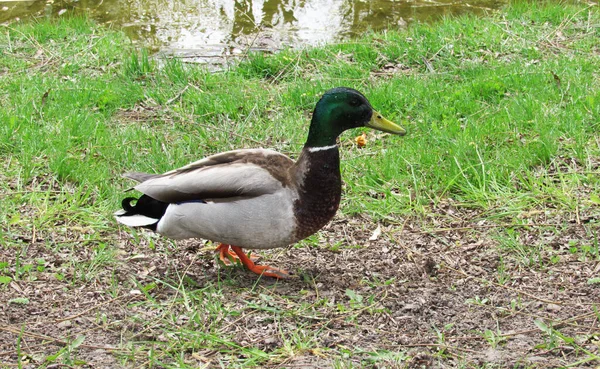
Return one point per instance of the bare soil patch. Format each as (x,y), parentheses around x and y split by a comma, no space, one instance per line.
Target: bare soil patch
(442,291)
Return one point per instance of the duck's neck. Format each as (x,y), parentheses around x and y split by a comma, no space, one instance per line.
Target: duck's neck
(319,181)
(322,132)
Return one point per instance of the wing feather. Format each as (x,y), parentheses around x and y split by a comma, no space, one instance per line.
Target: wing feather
(250,172)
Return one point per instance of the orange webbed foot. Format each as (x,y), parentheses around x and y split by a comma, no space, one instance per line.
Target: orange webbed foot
(270,271)
(259,269)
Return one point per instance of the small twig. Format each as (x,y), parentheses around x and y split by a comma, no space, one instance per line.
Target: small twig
(33,235)
(552,349)
(53,339)
(31,40)
(196,87)
(440,230)
(59,365)
(353,313)
(409,251)
(503,286)
(224,329)
(89,309)
(567,173)
(288,65)
(2,365)
(568,19)
(247,51)
(428,65)
(230,132)
(176,97)
(201,56)
(594,327)
(438,345)
(181,288)
(11,193)
(149,327)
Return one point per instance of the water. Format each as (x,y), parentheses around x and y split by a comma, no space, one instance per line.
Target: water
(203,30)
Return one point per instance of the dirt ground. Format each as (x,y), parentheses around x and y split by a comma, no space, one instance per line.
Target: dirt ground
(442,291)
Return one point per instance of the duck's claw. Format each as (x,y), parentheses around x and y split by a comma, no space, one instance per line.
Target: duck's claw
(270,271)
(259,269)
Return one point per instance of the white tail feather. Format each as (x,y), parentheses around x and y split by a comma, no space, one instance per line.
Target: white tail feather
(135,220)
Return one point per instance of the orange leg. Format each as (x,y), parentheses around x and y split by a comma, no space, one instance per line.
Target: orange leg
(259,269)
(227,256)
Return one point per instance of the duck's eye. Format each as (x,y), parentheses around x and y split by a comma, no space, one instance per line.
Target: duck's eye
(354,102)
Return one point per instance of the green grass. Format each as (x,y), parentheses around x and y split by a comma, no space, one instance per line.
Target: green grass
(490,114)
(503,115)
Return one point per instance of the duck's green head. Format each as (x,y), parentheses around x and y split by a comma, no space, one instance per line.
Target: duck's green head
(344,108)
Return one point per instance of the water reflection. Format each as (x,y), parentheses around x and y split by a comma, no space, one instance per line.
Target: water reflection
(215,27)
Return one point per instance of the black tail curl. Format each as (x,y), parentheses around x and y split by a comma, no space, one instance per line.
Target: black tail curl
(145,205)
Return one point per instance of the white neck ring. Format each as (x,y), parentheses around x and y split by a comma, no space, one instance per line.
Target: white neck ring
(322,148)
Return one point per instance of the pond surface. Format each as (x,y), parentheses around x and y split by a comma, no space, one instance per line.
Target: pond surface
(205,29)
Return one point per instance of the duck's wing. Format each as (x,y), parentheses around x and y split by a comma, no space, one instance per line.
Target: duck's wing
(248,172)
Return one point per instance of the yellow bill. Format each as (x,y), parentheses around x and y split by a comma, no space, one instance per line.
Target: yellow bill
(378,122)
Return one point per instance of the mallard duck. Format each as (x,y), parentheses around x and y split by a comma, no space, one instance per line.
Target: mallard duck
(256,198)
